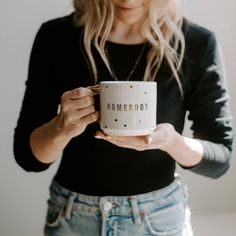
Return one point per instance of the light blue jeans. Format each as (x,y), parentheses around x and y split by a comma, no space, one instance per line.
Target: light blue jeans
(163,212)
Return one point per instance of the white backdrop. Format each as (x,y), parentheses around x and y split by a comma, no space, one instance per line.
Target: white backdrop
(23,195)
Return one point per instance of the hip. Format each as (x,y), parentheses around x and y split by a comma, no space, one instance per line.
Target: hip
(161,212)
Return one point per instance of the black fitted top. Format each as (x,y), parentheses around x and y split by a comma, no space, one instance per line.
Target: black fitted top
(58,63)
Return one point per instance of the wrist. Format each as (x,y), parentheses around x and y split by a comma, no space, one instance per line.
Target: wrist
(57,135)
(175,142)
(47,142)
(186,151)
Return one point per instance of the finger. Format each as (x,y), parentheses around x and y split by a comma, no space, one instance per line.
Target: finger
(122,143)
(100,134)
(148,139)
(95,88)
(77,93)
(74,116)
(89,119)
(80,103)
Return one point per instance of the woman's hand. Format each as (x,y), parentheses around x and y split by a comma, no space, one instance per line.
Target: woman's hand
(162,138)
(76,112)
(186,151)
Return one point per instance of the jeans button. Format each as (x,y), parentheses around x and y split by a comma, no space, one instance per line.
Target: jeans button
(107,206)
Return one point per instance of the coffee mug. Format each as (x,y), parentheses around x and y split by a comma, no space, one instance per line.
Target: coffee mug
(128,108)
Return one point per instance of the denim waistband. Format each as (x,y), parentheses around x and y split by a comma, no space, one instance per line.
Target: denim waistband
(134,205)
(168,202)
(158,195)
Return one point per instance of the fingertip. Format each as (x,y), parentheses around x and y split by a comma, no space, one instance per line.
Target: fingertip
(149,139)
(99,134)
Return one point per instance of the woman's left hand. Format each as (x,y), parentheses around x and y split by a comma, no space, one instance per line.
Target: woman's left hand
(162,138)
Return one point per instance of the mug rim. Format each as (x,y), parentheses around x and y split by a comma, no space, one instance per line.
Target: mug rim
(127,82)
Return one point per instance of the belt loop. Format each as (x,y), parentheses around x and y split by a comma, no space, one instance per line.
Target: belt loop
(69,205)
(135,210)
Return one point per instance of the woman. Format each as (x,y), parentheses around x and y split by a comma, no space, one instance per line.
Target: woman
(109,185)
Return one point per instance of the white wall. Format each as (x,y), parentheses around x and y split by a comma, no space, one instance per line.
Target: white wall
(23,195)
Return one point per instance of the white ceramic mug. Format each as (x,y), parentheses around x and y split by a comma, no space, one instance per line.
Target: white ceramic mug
(128,108)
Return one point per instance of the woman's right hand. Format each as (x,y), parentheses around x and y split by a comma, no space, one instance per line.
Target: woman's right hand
(76,112)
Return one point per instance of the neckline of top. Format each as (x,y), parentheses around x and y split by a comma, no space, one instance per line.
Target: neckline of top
(125,45)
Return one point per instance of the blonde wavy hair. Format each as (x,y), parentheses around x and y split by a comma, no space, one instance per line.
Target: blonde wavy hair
(162,29)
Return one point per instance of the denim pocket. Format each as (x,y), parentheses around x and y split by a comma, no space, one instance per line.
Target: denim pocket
(166,221)
(54,214)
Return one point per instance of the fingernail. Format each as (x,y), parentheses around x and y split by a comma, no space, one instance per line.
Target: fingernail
(98,137)
(149,140)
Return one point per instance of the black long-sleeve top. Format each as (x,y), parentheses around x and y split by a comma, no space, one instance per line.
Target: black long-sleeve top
(58,63)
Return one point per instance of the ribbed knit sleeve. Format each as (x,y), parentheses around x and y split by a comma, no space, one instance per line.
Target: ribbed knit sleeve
(40,100)
(208,105)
